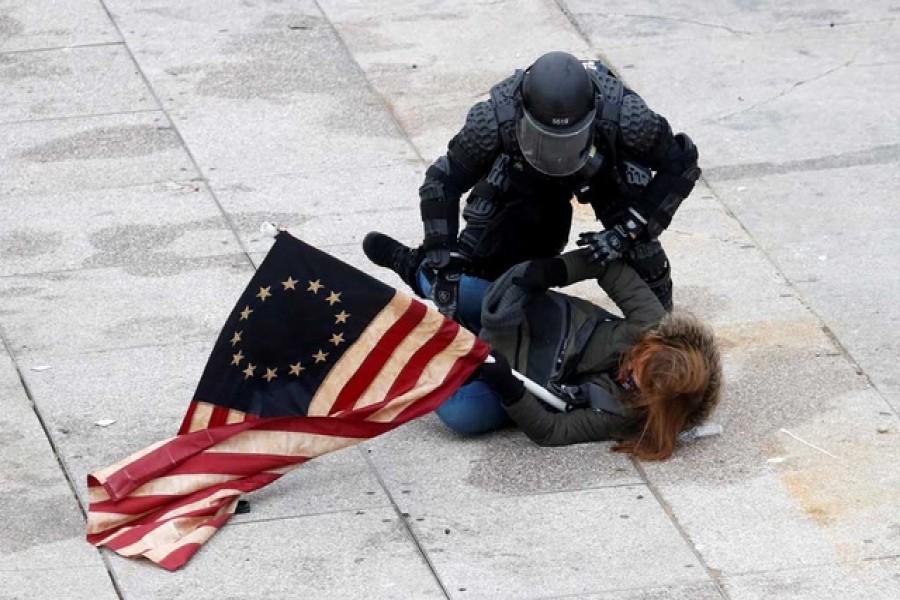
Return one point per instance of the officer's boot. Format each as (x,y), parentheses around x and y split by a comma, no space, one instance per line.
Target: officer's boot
(649,260)
(387,252)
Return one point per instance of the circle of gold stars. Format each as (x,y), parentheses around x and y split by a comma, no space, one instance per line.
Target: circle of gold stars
(270,373)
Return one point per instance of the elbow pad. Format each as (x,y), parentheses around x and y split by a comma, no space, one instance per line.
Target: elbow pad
(671,185)
(440,214)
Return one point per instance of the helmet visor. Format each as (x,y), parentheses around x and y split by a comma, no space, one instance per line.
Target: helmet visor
(556,152)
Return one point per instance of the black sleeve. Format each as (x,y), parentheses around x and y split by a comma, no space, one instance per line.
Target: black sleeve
(622,284)
(639,305)
(469,157)
(632,295)
(648,138)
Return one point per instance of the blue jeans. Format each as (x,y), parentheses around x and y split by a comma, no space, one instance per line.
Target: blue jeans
(473,409)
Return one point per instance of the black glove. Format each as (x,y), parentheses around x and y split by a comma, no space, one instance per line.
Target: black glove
(541,274)
(445,290)
(604,246)
(498,375)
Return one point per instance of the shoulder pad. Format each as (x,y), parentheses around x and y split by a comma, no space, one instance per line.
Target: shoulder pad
(595,67)
(640,127)
(505,98)
(479,139)
(506,89)
(609,86)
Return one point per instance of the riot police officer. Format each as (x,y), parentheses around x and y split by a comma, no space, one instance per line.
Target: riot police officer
(560,128)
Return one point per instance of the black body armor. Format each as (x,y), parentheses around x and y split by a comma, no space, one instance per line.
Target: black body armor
(636,175)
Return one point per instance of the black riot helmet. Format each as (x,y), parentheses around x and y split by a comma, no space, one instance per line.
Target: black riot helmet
(555,127)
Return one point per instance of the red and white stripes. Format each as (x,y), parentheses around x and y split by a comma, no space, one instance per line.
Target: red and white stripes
(165,501)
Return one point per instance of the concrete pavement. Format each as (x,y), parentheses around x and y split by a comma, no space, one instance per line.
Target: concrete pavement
(143,142)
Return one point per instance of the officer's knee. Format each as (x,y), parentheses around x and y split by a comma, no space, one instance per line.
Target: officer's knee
(650,262)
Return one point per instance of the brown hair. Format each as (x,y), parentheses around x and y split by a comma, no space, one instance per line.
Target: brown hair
(680,375)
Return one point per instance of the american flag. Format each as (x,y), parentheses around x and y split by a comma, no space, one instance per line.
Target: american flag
(316,356)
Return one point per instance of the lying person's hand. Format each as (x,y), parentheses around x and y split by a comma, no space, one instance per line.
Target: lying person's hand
(541,274)
(498,375)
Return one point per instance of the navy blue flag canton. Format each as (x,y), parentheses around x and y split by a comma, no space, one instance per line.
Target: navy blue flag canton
(300,312)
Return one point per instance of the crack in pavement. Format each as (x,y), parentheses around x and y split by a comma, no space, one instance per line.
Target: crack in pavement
(795,85)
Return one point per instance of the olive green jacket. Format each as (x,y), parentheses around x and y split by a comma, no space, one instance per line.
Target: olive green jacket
(561,339)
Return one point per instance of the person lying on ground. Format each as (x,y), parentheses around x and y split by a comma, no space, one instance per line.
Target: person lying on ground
(640,378)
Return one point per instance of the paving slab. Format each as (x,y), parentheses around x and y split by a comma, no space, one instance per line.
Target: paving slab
(802,222)
(9,375)
(696,591)
(71,82)
(248,139)
(737,514)
(70,583)
(875,580)
(851,489)
(112,227)
(342,481)
(431,63)
(34,24)
(327,208)
(680,19)
(760,82)
(784,503)
(893,398)
(350,229)
(425,465)
(555,545)
(155,302)
(42,552)
(90,153)
(345,555)
(243,96)
(228,43)
(702,239)
(74,392)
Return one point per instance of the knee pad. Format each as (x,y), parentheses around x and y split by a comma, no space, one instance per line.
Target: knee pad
(662,289)
(649,260)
